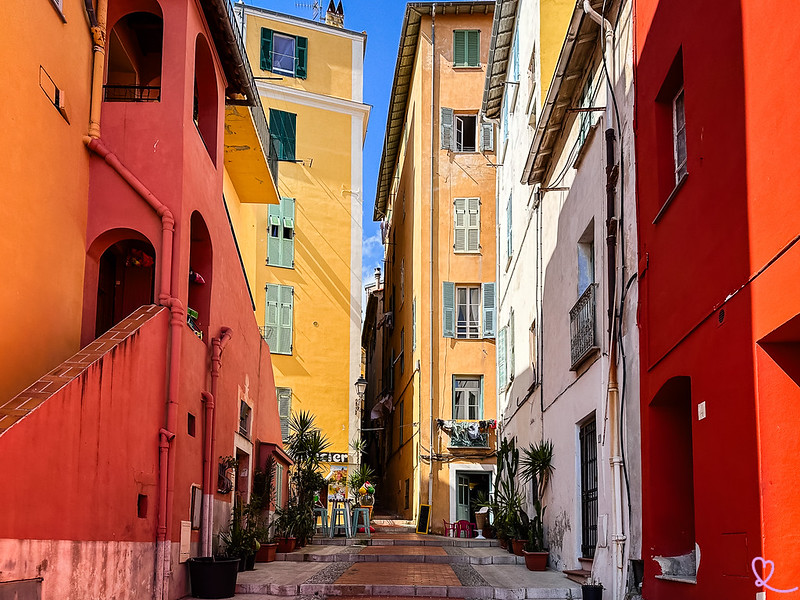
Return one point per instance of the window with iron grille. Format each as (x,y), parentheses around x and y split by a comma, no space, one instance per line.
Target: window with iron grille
(245,413)
(588,442)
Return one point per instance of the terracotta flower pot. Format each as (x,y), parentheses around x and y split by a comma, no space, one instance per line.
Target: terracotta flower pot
(286,545)
(503,542)
(518,546)
(536,561)
(266,553)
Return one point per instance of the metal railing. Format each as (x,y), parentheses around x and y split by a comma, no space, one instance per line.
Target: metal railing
(582,334)
(132,93)
(460,436)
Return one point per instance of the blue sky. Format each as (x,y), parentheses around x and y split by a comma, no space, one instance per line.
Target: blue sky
(381,19)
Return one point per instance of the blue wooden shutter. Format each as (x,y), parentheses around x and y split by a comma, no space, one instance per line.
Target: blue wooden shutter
(448,309)
(284,410)
(274,236)
(459,48)
(447,128)
(301,57)
(489,310)
(501,358)
(287,232)
(473,48)
(285,319)
(271,316)
(266,49)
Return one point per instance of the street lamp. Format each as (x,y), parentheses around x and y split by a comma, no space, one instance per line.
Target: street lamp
(361,386)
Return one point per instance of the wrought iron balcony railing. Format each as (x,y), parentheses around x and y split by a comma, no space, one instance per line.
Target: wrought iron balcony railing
(582,329)
(465,434)
(132,93)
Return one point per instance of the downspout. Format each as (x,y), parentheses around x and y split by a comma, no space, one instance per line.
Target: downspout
(166,460)
(430,291)
(217,346)
(618,536)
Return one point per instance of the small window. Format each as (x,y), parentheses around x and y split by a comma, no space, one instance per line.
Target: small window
(467,398)
(284,54)
(245,413)
(679,135)
(402,356)
(468,310)
(467,225)
(283,47)
(190,424)
(141,506)
(467,48)
(466,133)
(283,133)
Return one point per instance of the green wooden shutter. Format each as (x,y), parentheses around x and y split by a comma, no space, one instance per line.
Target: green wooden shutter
(509,228)
(448,309)
(447,128)
(282,127)
(284,410)
(459,48)
(285,319)
(473,48)
(489,310)
(473,224)
(274,236)
(287,233)
(501,358)
(290,128)
(271,316)
(460,224)
(301,57)
(266,49)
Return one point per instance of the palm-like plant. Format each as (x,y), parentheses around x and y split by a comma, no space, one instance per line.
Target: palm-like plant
(537,465)
(360,476)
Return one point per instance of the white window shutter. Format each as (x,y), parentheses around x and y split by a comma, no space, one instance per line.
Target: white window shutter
(473,224)
(447,128)
(487,136)
(460,224)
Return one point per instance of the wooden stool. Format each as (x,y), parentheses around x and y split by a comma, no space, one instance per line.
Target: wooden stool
(361,512)
(343,512)
(321,513)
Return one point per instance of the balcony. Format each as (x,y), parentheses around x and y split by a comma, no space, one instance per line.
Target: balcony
(132,93)
(467,434)
(582,329)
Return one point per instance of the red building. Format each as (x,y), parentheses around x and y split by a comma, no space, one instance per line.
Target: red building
(112,459)
(717,171)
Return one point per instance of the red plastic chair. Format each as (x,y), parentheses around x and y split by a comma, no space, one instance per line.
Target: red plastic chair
(449,528)
(463,526)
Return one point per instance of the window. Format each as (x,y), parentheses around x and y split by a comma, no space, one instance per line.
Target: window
(280,242)
(283,132)
(468,311)
(588,118)
(402,280)
(279,470)
(466,133)
(278,318)
(466,225)
(402,356)
(502,372)
(467,48)
(586,259)
(245,413)
(468,306)
(679,135)
(467,398)
(400,419)
(284,410)
(509,230)
(407,494)
(134,58)
(413,324)
(284,54)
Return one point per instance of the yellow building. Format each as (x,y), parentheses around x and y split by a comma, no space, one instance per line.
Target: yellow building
(310,78)
(436,192)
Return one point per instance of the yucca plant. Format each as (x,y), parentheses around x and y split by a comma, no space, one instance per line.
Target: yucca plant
(537,466)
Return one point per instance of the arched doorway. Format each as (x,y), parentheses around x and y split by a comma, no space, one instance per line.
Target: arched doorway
(134,57)
(126,281)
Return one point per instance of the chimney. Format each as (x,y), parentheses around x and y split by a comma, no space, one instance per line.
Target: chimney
(378,277)
(335,15)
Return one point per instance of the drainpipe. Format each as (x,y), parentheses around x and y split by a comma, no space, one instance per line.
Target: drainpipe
(618,536)
(430,291)
(217,346)
(98,20)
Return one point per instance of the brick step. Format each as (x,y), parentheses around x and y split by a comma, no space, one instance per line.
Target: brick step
(462,559)
(436,591)
(580,576)
(416,541)
(586,563)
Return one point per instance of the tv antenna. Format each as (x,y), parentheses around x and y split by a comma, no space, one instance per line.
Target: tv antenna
(316,8)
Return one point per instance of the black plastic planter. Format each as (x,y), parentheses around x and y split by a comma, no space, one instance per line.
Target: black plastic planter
(213,578)
(592,592)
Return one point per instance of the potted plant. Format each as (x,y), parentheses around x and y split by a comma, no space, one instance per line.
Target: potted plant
(592,589)
(240,539)
(261,502)
(537,466)
(284,528)
(212,577)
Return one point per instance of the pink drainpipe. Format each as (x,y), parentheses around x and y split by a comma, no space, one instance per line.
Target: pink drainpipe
(217,346)
(166,459)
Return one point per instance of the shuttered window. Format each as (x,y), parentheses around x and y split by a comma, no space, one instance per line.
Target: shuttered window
(280,238)
(466,48)
(489,310)
(501,358)
(278,318)
(284,54)
(509,229)
(467,224)
(283,133)
(468,311)
(446,122)
(284,410)
(487,136)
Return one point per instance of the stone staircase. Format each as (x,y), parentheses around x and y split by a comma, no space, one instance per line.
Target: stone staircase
(580,576)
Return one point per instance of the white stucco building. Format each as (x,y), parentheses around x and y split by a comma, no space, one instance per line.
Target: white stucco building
(555,285)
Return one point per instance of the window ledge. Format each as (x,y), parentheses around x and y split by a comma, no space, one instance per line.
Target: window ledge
(468,252)
(671,197)
(468,67)
(679,578)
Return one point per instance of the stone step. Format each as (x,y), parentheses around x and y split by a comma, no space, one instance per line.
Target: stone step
(501,558)
(580,576)
(436,591)
(362,539)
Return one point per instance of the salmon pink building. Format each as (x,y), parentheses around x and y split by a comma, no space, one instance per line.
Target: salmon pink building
(718,224)
(154,400)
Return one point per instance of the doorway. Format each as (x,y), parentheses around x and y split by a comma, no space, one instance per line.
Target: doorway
(126,281)
(470,486)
